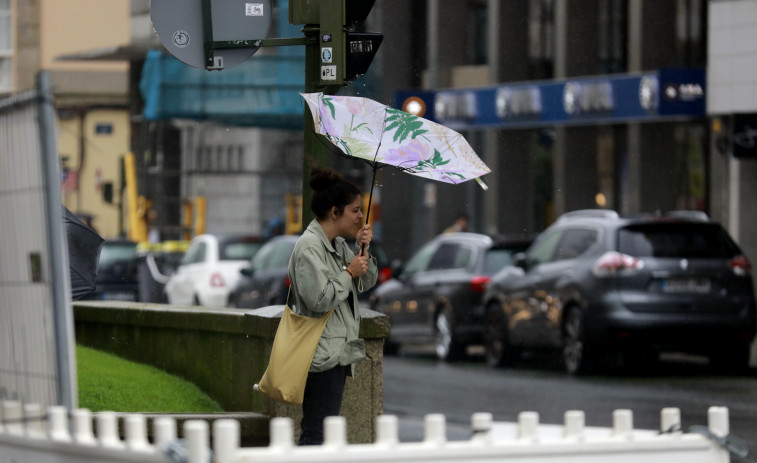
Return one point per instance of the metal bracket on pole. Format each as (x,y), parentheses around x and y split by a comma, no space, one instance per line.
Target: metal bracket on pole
(215,63)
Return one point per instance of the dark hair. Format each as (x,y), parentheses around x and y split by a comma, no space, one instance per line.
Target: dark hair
(330,189)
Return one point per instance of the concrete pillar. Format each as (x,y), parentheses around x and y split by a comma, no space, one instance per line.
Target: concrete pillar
(507,204)
(659,171)
(507,40)
(576,54)
(576,47)
(650,23)
(446,37)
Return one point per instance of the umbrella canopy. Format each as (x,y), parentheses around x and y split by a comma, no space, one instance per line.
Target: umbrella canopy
(84,246)
(366,129)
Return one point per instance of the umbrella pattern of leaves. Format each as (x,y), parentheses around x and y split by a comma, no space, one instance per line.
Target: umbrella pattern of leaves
(366,129)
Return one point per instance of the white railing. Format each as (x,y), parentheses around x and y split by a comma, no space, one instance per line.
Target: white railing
(28,434)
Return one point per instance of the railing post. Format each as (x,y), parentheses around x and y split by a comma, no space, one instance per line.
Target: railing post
(386,430)
(225,440)
(622,423)
(82,427)
(196,433)
(107,430)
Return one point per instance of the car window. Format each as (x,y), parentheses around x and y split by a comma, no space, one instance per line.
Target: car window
(280,255)
(676,240)
(543,249)
(239,251)
(117,252)
(575,242)
(449,256)
(497,259)
(419,262)
(195,254)
(262,257)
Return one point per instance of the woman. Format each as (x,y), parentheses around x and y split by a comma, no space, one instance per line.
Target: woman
(324,274)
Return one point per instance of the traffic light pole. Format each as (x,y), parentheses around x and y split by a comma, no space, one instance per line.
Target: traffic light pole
(316,153)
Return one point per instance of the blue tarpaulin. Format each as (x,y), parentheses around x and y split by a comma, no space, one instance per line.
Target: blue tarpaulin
(262,92)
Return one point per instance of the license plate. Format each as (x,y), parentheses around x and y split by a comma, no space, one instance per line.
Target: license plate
(686,285)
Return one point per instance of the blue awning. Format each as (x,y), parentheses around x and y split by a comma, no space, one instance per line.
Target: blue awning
(261,92)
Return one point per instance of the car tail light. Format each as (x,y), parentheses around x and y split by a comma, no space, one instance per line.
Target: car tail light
(384,275)
(287,283)
(478,284)
(740,265)
(613,263)
(216,281)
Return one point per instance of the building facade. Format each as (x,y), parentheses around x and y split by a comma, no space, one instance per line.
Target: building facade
(542,169)
(91,98)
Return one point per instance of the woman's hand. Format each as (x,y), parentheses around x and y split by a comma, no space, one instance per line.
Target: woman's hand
(364,237)
(359,265)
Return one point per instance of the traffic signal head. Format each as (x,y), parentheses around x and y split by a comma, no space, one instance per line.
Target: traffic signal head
(344,54)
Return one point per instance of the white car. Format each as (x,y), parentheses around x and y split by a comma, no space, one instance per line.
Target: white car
(210,268)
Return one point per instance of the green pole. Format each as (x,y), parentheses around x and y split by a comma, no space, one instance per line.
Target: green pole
(315,150)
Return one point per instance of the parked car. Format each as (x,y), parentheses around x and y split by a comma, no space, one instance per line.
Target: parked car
(116,272)
(596,286)
(266,281)
(437,297)
(210,268)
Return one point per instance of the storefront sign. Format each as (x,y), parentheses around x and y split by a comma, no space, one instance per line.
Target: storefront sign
(589,100)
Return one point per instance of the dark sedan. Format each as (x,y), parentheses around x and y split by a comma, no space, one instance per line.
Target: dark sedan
(266,280)
(437,297)
(116,272)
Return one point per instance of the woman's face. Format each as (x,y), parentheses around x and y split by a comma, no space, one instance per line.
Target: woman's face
(351,219)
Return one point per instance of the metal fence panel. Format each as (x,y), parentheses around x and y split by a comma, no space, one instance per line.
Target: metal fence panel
(36,334)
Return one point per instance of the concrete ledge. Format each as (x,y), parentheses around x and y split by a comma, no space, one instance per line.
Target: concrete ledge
(225,351)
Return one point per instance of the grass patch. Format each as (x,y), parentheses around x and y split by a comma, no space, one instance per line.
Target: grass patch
(110,383)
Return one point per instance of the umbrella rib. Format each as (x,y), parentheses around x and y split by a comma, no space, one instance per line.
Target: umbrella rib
(373,181)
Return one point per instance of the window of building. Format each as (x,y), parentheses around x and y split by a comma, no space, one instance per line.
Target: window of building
(478,30)
(6,47)
(613,17)
(541,30)
(691,27)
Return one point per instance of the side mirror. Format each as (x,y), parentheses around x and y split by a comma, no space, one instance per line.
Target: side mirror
(520,260)
(246,271)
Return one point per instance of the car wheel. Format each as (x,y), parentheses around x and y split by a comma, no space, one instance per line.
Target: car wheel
(499,351)
(448,348)
(731,359)
(574,348)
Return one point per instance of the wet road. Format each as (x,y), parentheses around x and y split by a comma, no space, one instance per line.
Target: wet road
(416,384)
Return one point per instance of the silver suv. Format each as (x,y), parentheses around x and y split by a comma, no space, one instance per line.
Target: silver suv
(596,287)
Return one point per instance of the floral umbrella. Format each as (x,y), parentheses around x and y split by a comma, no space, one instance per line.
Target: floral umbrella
(366,129)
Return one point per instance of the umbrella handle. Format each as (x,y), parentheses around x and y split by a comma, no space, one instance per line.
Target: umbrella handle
(370,199)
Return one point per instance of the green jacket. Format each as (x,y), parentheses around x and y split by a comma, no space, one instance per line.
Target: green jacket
(318,284)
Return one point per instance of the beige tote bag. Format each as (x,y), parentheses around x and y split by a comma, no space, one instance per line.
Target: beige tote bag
(293,349)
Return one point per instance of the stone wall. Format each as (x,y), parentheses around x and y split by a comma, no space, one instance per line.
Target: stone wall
(225,352)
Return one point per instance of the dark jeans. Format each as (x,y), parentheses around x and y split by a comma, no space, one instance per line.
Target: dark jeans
(323,397)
